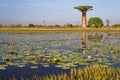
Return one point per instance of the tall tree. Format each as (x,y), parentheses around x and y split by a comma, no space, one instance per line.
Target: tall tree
(84,10)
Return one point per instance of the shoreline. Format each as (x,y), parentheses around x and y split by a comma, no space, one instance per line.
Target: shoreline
(61,29)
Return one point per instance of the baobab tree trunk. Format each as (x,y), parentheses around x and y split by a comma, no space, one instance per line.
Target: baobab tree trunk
(84,19)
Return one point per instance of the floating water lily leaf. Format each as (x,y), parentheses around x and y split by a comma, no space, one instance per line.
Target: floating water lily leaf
(65,67)
(83,63)
(34,67)
(46,65)
(109,64)
(3,67)
(58,66)
(33,62)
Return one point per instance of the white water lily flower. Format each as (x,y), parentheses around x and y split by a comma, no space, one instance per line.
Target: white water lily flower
(89,57)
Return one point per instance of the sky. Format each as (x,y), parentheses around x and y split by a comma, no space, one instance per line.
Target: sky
(52,12)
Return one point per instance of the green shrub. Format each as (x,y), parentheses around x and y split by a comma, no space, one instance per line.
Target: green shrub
(31,25)
(95,22)
(116,25)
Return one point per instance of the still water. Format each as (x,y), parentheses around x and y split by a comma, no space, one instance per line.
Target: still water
(29,53)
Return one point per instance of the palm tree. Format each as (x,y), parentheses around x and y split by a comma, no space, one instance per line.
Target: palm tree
(84,10)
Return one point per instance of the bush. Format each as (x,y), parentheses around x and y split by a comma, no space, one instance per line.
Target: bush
(1,25)
(116,25)
(95,22)
(31,25)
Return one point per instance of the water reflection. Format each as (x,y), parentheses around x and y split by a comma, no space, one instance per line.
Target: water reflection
(83,42)
(95,37)
(112,37)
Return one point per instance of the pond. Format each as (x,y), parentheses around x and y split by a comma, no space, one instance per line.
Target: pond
(37,53)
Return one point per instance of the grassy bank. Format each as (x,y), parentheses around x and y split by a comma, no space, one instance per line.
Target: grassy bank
(60,28)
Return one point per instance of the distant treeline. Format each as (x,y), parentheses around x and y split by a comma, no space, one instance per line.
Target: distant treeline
(116,25)
(36,25)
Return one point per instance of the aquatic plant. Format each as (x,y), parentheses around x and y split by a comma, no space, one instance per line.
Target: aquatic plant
(33,67)
(2,67)
(98,72)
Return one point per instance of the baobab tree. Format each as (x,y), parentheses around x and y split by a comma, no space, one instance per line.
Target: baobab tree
(84,10)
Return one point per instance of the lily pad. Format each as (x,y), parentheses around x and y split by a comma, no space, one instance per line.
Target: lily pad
(34,67)
(2,67)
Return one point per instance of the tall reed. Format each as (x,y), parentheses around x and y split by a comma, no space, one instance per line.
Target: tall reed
(88,73)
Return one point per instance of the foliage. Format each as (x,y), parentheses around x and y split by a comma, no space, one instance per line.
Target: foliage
(116,25)
(97,72)
(83,8)
(31,25)
(95,22)
(15,25)
(1,25)
(69,25)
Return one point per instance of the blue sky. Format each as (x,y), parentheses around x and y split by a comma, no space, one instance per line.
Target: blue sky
(51,12)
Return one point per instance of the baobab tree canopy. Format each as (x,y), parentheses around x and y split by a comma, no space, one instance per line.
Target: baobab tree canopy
(83,8)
